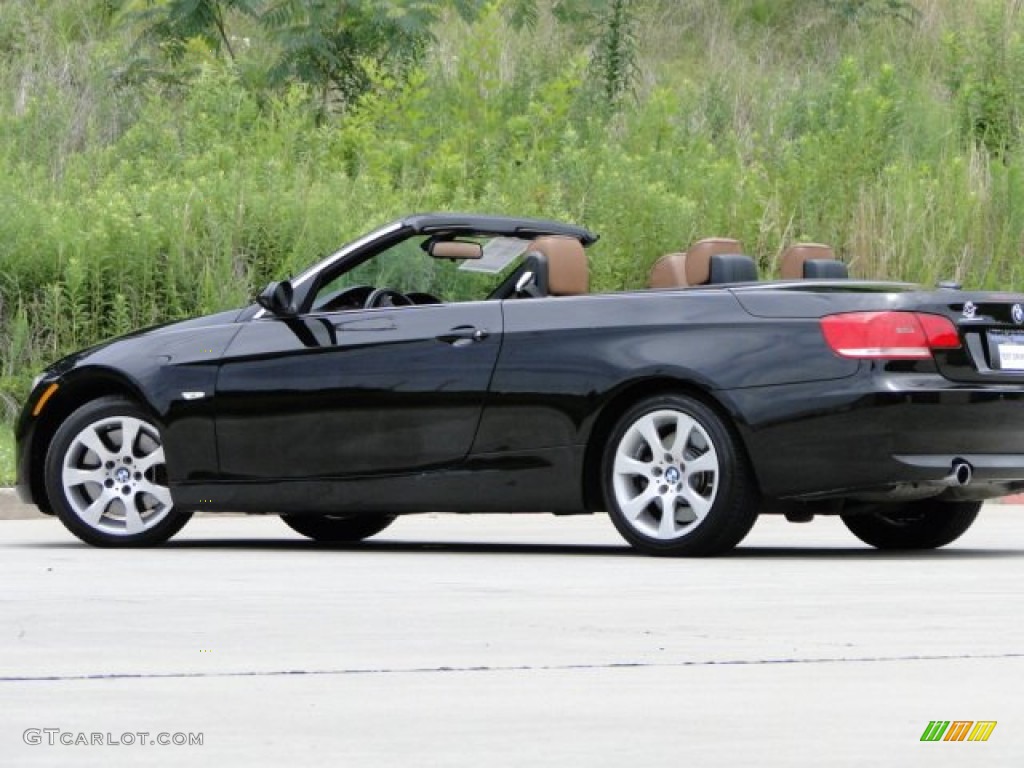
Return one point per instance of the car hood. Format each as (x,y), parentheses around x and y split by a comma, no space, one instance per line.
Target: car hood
(219,318)
(147,340)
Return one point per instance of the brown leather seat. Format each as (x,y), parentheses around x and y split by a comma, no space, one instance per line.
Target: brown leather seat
(811,260)
(678,270)
(718,260)
(568,270)
(668,272)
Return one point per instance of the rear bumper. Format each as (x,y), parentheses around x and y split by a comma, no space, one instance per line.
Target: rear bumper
(879,431)
(985,466)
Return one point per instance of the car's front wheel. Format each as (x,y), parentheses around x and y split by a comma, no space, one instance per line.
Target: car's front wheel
(338,528)
(676,479)
(924,524)
(106,476)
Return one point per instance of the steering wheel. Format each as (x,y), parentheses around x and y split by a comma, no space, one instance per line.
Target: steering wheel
(387,297)
(351,297)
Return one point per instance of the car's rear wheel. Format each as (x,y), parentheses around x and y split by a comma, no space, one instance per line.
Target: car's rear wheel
(338,528)
(924,524)
(676,480)
(106,476)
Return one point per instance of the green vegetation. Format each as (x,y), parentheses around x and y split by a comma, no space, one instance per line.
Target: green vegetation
(6,457)
(162,158)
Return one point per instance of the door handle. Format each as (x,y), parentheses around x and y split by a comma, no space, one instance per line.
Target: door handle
(463,335)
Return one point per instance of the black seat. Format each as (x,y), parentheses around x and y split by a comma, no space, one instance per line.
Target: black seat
(732,268)
(826,269)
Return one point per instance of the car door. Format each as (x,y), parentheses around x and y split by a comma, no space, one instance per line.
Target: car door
(355,393)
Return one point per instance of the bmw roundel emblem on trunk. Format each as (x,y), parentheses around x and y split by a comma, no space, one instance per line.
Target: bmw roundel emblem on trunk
(1018,314)
(969,310)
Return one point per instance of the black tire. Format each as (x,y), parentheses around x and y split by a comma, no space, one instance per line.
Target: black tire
(101,502)
(708,475)
(925,524)
(338,528)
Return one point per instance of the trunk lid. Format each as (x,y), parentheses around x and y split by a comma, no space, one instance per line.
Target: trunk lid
(991,327)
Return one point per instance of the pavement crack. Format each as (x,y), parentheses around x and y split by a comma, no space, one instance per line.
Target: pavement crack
(505,668)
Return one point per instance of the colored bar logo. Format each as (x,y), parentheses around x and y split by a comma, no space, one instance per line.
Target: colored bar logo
(958,730)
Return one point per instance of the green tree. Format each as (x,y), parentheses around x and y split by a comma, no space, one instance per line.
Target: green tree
(337,45)
(172,23)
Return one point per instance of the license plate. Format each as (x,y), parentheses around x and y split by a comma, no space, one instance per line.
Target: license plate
(1011,357)
(1006,349)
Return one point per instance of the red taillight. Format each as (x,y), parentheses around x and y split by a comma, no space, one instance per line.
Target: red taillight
(888,335)
(940,331)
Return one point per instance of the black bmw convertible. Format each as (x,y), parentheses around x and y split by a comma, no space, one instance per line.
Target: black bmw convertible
(460,363)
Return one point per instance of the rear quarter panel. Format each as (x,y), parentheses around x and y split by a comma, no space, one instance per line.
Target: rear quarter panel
(563,359)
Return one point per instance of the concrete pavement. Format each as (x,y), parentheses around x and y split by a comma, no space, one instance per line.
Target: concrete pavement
(496,640)
(12,509)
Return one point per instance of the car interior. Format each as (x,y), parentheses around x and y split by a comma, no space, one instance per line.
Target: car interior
(719,260)
(554,265)
(551,266)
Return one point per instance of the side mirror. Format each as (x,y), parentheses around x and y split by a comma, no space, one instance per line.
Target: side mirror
(277,298)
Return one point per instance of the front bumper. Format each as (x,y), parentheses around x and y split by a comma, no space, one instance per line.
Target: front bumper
(23,434)
(28,467)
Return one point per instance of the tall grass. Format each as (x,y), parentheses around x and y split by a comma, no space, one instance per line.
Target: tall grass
(125,203)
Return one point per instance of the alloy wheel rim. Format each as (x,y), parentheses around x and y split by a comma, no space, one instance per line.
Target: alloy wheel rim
(665,475)
(115,478)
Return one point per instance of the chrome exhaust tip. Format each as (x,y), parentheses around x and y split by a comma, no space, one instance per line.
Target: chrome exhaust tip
(960,475)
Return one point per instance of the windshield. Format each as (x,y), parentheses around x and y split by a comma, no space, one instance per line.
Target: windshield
(406,267)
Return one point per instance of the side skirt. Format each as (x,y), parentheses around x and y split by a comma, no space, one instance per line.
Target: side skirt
(546,481)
